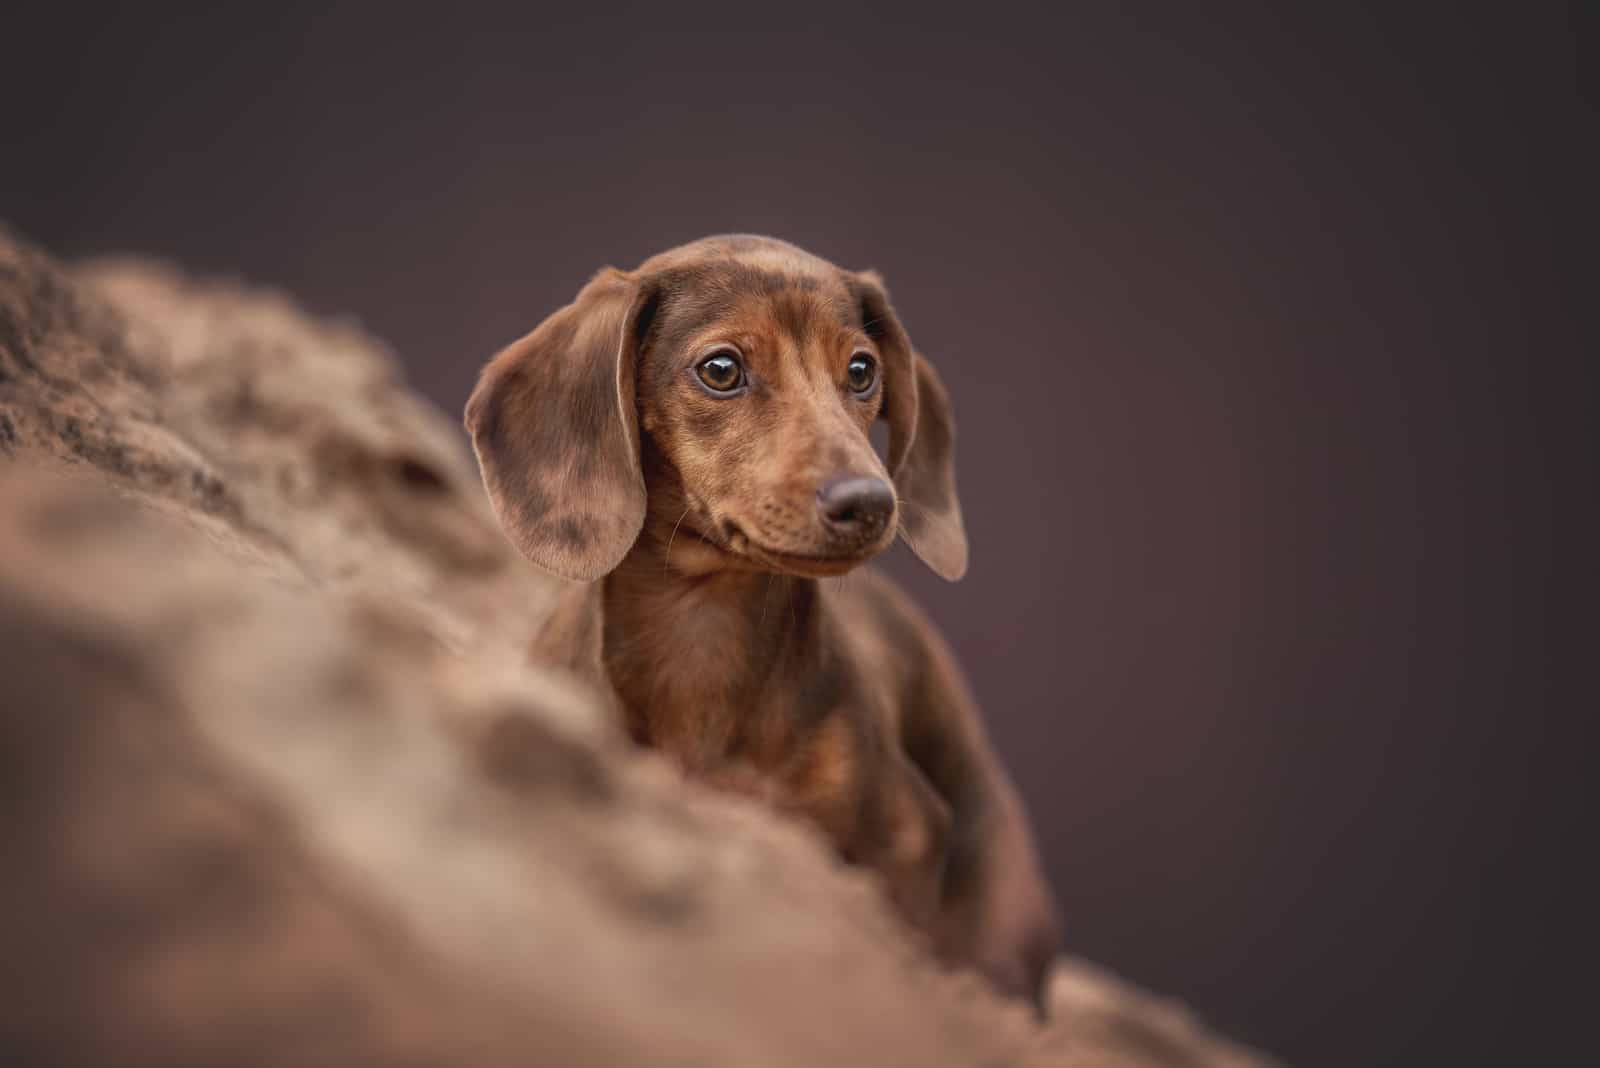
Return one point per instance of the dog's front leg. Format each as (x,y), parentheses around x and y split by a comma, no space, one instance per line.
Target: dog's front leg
(876,805)
(908,836)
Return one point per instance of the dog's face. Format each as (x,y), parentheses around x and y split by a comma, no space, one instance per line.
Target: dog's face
(723,391)
(757,389)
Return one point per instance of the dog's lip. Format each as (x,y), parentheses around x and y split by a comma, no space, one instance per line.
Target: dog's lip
(810,558)
(741,544)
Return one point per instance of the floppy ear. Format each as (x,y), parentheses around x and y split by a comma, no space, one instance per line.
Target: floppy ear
(921,438)
(553,423)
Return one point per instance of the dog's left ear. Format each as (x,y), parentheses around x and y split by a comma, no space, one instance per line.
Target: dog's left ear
(921,437)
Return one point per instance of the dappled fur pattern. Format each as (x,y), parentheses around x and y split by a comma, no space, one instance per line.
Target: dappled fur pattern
(608,460)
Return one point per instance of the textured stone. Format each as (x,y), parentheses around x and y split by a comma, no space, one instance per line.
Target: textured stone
(280,787)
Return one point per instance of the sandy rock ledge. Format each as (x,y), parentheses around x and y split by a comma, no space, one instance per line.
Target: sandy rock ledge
(280,789)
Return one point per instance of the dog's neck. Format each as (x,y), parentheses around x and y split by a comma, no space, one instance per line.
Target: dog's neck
(692,648)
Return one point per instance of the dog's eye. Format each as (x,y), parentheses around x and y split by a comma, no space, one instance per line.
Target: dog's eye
(720,372)
(862,373)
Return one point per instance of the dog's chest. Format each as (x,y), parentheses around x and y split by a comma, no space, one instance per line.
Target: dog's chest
(706,716)
(701,683)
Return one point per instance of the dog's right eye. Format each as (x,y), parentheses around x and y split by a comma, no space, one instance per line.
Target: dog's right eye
(720,372)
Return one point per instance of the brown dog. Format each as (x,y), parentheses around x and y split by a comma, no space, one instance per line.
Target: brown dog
(692,438)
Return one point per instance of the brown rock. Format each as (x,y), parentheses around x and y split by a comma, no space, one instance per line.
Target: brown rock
(280,787)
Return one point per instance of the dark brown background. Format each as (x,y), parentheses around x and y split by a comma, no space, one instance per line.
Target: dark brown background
(1270,390)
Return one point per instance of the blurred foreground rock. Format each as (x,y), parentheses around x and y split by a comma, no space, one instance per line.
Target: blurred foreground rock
(278,788)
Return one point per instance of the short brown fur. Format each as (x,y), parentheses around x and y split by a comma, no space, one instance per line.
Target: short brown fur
(694,518)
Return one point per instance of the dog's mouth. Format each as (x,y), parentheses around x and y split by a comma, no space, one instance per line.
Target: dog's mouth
(703,541)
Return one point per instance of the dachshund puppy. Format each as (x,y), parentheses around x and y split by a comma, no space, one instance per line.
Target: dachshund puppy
(691,438)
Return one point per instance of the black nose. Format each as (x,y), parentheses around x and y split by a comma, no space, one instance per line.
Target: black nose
(856,504)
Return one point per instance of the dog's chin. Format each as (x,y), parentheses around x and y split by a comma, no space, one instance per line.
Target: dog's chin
(805,566)
(810,563)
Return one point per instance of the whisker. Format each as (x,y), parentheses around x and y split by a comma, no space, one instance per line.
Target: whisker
(666,557)
(906,534)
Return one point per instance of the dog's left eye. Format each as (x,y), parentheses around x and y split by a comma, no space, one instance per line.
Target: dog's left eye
(862,373)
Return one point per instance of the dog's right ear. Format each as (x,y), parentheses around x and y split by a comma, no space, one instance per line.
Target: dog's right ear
(553,423)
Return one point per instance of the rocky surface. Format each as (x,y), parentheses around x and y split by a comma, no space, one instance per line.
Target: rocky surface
(279,786)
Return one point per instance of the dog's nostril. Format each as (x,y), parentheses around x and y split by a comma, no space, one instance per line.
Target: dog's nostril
(855,501)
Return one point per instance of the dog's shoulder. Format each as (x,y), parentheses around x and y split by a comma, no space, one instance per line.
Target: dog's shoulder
(893,638)
(870,600)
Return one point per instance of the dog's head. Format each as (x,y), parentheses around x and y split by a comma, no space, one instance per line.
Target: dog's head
(725,390)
